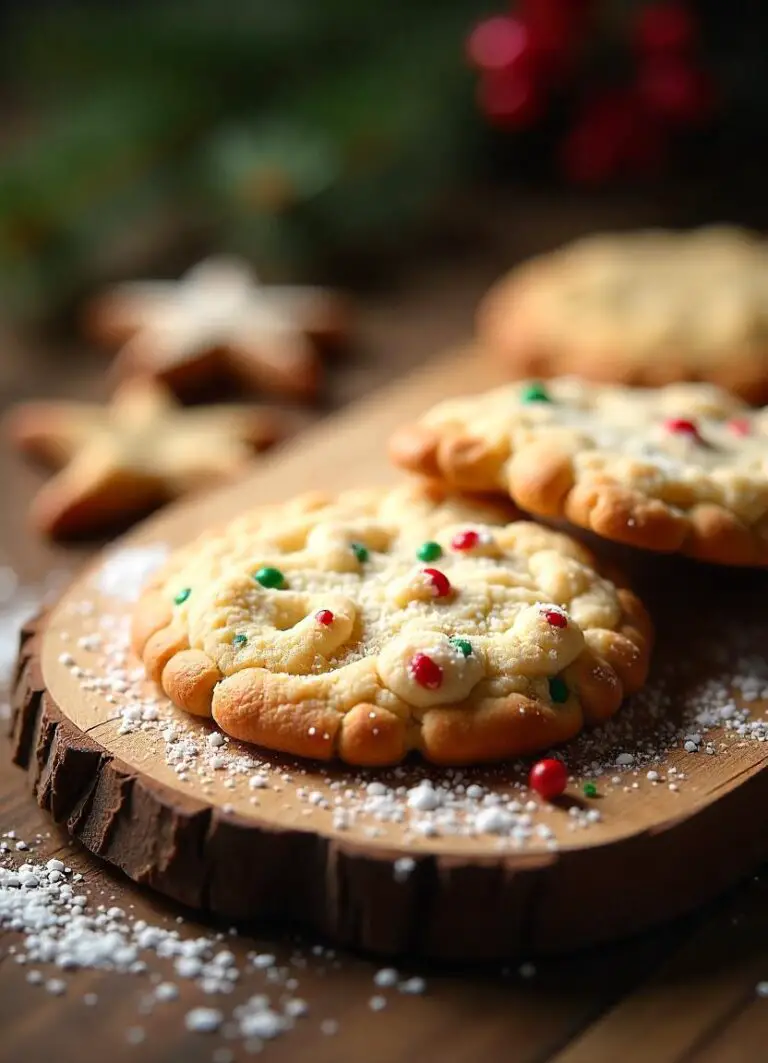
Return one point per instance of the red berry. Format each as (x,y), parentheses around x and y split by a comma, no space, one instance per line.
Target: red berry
(680,426)
(554,26)
(324,617)
(509,98)
(466,540)
(548,778)
(498,43)
(441,585)
(425,671)
(665,28)
(555,618)
(598,145)
(740,426)
(676,91)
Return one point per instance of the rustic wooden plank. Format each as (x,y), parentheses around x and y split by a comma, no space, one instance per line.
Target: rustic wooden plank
(466,1016)
(695,995)
(463,1015)
(741,1040)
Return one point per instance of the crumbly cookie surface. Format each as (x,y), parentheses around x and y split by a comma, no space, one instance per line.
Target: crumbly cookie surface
(378,622)
(676,469)
(645,308)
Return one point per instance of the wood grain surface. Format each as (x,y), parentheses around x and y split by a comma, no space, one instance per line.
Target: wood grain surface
(682,994)
(211,848)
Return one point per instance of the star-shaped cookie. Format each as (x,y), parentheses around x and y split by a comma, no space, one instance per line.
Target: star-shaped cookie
(219,318)
(119,461)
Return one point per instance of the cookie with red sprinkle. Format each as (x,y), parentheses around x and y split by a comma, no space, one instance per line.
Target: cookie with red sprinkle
(679,469)
(315,628)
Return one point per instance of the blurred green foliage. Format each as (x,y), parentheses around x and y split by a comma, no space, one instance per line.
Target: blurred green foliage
(287,129)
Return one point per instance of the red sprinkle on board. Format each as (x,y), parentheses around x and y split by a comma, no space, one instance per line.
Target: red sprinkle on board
(548,777)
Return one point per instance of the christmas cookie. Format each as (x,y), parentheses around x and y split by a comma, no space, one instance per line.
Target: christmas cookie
(646,308)
(219,318)
(375,623)
(118,461)
(677,469)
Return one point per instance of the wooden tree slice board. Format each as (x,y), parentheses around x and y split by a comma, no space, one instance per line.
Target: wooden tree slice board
(398,887)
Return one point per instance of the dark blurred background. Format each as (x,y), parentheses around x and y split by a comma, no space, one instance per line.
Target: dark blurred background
(339,138)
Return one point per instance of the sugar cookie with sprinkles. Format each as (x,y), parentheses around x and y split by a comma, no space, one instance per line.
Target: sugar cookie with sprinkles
(677,469)
(648,308)
(375,623)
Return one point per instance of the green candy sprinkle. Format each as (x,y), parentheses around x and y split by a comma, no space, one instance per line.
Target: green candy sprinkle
(590,790)
(182,596)
(429,551)
(535,393)
(463,645)
(271,578)
(558,691)
(239,640)
(360,551)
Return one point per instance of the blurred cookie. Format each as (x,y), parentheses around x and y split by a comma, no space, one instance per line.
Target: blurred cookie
(647,308)
(219,319)
(676,469)
(119,461)
(377,622)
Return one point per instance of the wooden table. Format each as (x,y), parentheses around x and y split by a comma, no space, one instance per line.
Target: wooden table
(683,994)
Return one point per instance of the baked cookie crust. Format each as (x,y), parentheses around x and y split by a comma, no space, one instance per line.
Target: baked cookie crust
(648,308)
(678,469)
(378,622)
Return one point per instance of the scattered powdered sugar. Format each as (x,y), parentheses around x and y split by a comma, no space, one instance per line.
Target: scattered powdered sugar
(412,986)
(125,571)
(204,1020)
(56,929)
(679,714)
(679,719)
(403,868)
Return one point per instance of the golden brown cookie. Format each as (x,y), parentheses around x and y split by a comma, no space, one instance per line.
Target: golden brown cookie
(219,319)
(647,308)
(676,469)
(378,622)
(121,460)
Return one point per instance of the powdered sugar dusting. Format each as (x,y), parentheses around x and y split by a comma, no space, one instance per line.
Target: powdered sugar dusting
(125,571)
(685,711)
(54,927)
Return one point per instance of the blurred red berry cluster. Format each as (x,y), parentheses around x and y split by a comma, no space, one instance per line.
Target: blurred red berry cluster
(548,49)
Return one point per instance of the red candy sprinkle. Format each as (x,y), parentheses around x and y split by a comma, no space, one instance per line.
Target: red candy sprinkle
(324,617)
(425,671)
(548,778)
(740,426)
(465,540)
(554,618)
(681,427)
(440,582)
